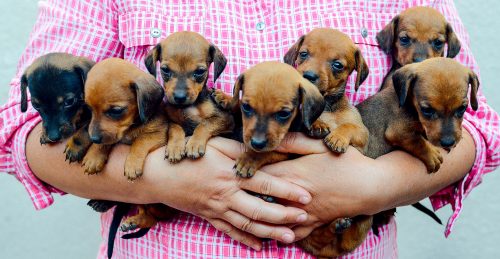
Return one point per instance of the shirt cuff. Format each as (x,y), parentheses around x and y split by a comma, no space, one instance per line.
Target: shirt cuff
(456,193)
(39,192)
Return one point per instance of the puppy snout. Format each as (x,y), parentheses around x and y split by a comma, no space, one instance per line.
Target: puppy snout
(418,59)
(311,76)
(96,138)
(54,135)
(447,142)
(180,96)
(258,143)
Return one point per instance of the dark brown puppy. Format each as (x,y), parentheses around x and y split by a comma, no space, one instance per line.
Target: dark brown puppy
(56,82)
(418,33)
(185,58)
(423,111)
(327,57)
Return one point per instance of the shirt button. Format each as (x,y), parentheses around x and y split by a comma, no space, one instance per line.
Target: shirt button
(364,32)
(260,26)
(155,33)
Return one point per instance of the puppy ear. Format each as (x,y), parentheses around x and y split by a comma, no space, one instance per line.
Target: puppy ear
(361,69)
(151,58)
(237,88)
(312,102)
(219,60)
(403,79)
(474,83)
(453,42)
(82,67)
(385,37)
(24,95)
(291,54)
(149,94)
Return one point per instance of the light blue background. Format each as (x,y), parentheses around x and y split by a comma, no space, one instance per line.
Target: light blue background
(69,229)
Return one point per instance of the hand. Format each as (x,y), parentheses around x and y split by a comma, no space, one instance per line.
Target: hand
(208,187)
(341,185)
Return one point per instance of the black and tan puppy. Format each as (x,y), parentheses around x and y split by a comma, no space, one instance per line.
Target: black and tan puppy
(418,33)
(326,57)
(56,82)
(185,58)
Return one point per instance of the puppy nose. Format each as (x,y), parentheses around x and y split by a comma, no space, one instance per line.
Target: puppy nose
(311,76)
(447,142)
(258,143)
(180,97)
(54,136)
(96,139)
(418,59)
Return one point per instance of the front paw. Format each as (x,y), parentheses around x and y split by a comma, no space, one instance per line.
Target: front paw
(133,168)
(337,142)
(195,148)
(319,129)
(338,226)
(74,151)
(433,159)
(93,162)
(44,139)
(101,205)
(175,152)
(221,99)
(245,167)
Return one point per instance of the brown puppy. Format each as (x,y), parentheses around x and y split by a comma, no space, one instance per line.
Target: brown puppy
(423,111)
(418,33)
(185,58)
(327,57)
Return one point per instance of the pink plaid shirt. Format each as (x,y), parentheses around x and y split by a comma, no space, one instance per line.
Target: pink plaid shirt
(247,32)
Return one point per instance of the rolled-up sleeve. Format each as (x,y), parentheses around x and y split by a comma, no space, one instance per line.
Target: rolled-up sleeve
(83,28)
(482,125)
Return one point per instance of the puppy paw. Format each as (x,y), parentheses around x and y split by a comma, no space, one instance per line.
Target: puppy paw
(338,226)
(44,139)
(433,159)
(175,153)
(133,168)
(195,148)
(221,99)
(319,129)
(93,163)
(245,167)
(74,150)
(128,225)
(336,142)
(101,205)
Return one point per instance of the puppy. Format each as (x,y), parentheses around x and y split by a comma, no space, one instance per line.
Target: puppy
(418,33)
(185,58)
(56,82)
(326,57)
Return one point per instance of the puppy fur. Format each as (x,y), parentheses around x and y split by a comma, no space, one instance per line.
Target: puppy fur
(56,82)
(326,57)
(418,33)
(185,58)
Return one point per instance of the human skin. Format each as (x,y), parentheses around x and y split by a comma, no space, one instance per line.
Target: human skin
(341,185)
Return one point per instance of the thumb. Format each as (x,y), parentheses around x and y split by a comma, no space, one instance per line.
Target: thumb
(298,143)
(231,148)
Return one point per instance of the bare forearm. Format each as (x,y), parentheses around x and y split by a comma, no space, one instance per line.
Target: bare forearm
(408,180)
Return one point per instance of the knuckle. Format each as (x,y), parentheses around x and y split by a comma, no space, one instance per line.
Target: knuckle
(257,213)
(247,225)
(266,187)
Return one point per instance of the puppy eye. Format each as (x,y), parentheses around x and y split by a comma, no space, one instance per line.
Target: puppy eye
(404,40)
(428,112)
(247,109)
(166,72)
(199,72)
(460,111)
(438,44)
(337,66)
(283,115)
(115,112)
(303,55)
(70,102)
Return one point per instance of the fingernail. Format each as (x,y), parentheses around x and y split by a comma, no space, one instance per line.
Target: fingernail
(256,247)
(287,238)
(304,199)
(302,218)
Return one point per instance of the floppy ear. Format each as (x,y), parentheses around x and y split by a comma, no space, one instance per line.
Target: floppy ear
(403,79)
(291,54)
(361,69)
(453,42)
(149,94)
(24,96)
(385,37)
(151,58)
(474,83)
(238,86)
(82,67)
(312,102)
(219,60)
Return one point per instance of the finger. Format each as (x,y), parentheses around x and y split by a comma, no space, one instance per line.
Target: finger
(260,210)
(259,229)
(236,234)
(267,184)
(228,147)
(298,143)
(302,232)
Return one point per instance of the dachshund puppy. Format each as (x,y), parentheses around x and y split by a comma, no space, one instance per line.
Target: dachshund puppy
(418,33)
(56,82)
(423,111)
(185,58)
(326,57)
